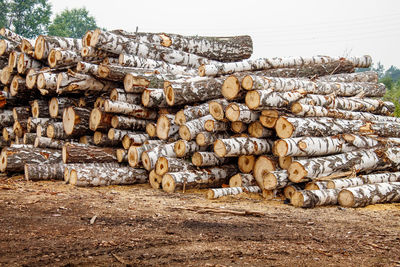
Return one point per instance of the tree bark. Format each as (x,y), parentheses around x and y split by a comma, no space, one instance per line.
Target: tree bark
(387,177)
(266,99)
(190,129)
(185,148)
(212,125)
(240,112)
(242,179)
(129,109)
(14,159)
(18,87)
(364,195)
(101,139)
(149,158)
(275,180)
(152,98)
(312,198)
(210,177)
(317,185)
(29,138)
(46,142)
(120,95)
(207,138)
(135,153)
(365,76)
(99,120)
(6,118)
(128,123)
(166,127)
(266,63)
(72,82)
(54,130)
(8,134)
(229,191)
(59,58)
(6,47)
(87,68)
(47,83)
(202,159)
(137,82)
(38,172)
(40,108)
(233,147)
(32,123)
(44,44)
(21,113)
(73,153)
(26,62)
(166,164)
(76,121)
(103,176)
(190,113)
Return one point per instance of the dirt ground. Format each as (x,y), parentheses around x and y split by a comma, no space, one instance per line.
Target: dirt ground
(51,223)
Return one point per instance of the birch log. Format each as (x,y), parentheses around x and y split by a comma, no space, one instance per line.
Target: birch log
(149,158)
(44,44)
(263,164)
(152,98)
(256,130)
(217,108)
(166,127)
(136,82)
(275,180)
(29,138)
(234,147)
(165,164)
(54,130)
(240,112)
(364,195)
(76,121)
(26,62)
(32,123)
(72,81)
(101,139)
(208,138)
(38,172)
(242,179)
(155,180)
(6,118)
(73,153)
(214,126)
(246,163)
(46,142)
(266,99)
(365,76)
(387,177)
(99,120)
(129,109)
(201,159)
(6,47)
(128,123)
(312,198)
(191,113)
(266,63)
(184,148)
(229,191)
(190,129)
(135,153)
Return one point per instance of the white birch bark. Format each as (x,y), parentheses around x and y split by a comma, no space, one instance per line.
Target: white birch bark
(185,148)
(242,179)
(72,81)
(190,113)
(190,129)
(118,94)
(214,126)
(201,159)
(234,147)
(266,99)
(129,109)
(275,180)
(387,177)
(166,164)
(38,172)
(152,98)
(128,123)
(149,158)
(135,153)
(240,112)
(6,47)
(365,76)
(44,44)
(26,62)
(87,68)
(312,198)
(166,127)
(208,138)
(46,142)
(230,191)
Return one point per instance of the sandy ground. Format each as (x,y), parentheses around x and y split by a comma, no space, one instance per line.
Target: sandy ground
(51,223)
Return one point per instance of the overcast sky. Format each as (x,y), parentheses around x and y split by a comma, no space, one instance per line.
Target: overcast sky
(278,28)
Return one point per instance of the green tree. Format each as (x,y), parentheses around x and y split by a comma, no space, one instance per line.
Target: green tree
(72,23)
(28,18)
(3,13)
(393,72)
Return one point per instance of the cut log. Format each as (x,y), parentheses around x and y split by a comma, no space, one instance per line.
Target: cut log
(135,138)
(59,58)
(149,158)
(135,153)
(47,83)
(76,121)
(240,112)
(57,105)
(317,185)
(13,59)
(102,176)
(275,179)
(151,129)
(129,109)
(6,75)
(29,138)
(30,78)
(364,195)
(264,164)
(234,147)
(87,68)
(155,180)
(54,130)
(271,63)
(73,153)
(88,51)
(256,130)
(46,142)
(210,177)
(165,164)
(44,44)
(14,159)
(165,126)
(122,155)
(152,98)
(365,76)
(71,81)
(6,47)
(310,199)
(7,118)
(69,167)
(116,72)
(128,123)
(26,62)
(238,127)
(190,129)
(137,82)
(202,159)
(214,126)
(99,120)
(242,179)
(87,140)
(217,108)
(191,113)
(291,189)
(32,123)
(185,148)
(18,87)
(42,131)
(118,94)
(10,35)
(19,128)
(192,90)
(387,177)
(40,108)
(101,139)
(207,138)
(38,172)
(266,99)
(246,163)
(230,191)
(8,133)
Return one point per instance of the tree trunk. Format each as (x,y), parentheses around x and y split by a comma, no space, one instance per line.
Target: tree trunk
(73,153)
(319,146)
(267,63)
(29,138)
(387,177)
(264,164)
(365,76)
(149,158)
(70,167)
(310,199)
(120,95)
(303,110)
(118,73)
(102,176)
(361,160)
(233,147)
(202,159)
(375,106)
(146,63)
(18,87)
(72,82)
(152,98)
(44,44)
(101,139)
(122,45)
(207,138)
(190,129)
(266,99)
(129,109)
(166,164)
(128,123)
(88,51)
(135,153)
(26,62)
(210,177)
(59,58)
(155,180)
(14,159)
(38,172)
(76,121)
(242,179)
(190,113)
(275,180)
(192,90)
(256,130)
(291,189)
(137,82)
(54,130)
(166,127)
(240,112)
(32,123)
(46,142)
(99,120)
(229,191)
(47,83)
(364,195)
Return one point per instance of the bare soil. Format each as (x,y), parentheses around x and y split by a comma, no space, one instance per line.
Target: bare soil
(51,223)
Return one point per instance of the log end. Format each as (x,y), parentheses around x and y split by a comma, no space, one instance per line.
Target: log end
(252,99)
(247,82)
(114,121)
(180,118)
(256,129)
(270,181)
(184,133)
(236,181)
(219,148)
(197,159)
(126,141)
(103,71)
(168,183)
(53,107)
(216,110)
(39,48)
(268,194)
(94,38)
(69,117)
(280,148)
(95,119)
(161,166)
(128,82)
(246,163)
(6,73)
(120,154)
(97,136)
(20,64)
(330,185)
(40,81)
(30,79)
(269,117)
(232,112)
(346,198)
(296,172)
(180,148)
(297,199)
(3,47)
(52,58)
(165,40)
(14,85)
(151,129)
(230,87)
(209,125)
(133,159)
(65,154)
(3,161)
(73,177)
(50,131)
(169,95)
(238,127)
(155,180)
(146,97)
(263,164)
(202,71)
(26,172)
(162,127)
(146,161)
(86,40)
(66,175)
(284,162)
(35,109)
(289,191)
(201,139)
(312,186)
(283,128)
(296,108)
(210,194)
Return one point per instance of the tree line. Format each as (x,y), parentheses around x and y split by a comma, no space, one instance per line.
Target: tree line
(31,18)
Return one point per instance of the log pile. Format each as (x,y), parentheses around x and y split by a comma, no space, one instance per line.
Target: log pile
(183,112)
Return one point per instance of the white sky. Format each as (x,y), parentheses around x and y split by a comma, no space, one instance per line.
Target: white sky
(278,27)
